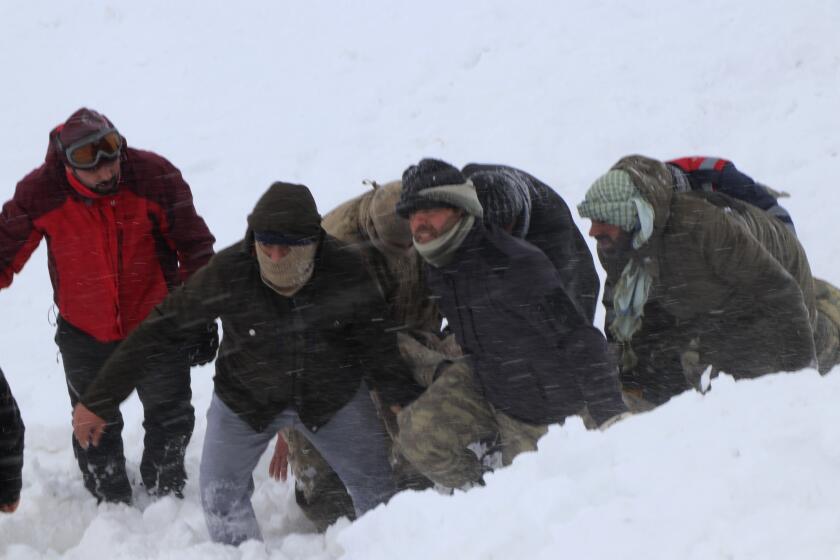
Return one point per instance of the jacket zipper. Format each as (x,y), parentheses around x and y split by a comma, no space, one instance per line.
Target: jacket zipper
(106,214)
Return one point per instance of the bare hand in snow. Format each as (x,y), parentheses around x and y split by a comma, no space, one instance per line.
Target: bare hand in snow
(278,469)
(10,508)
(87,426)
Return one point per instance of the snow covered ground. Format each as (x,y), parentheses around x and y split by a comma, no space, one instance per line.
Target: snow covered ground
(332,93)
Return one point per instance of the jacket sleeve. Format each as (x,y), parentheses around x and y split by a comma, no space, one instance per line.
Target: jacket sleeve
(188,233)
(583,351)
(585,355)
(553,230)
(170,326)
(18,237)
(378,352)
(765,326)
(11,445)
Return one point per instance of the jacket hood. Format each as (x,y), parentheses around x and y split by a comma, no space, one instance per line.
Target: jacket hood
(654,182)
(378,218)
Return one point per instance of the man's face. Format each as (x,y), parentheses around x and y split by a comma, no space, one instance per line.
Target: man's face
(429,224)
(101,179)
(273,252)
(611,239)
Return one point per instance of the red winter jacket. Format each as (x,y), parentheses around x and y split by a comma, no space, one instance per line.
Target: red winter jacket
(111,257)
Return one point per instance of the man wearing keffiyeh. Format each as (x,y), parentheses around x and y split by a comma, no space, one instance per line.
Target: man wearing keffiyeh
(695,280)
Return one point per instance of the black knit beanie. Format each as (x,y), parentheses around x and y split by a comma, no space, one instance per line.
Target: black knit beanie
(287,210)
(425,175)
(505,199)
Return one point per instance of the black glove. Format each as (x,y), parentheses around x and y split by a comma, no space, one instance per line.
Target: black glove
(203,350)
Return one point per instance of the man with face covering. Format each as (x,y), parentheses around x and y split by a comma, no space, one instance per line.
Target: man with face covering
(368,223)
(121,232)
(305,338)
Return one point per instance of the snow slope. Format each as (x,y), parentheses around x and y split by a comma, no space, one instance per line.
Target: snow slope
(332,93)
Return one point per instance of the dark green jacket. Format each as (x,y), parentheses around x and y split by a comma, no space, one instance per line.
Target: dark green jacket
(310,351)
(725,275)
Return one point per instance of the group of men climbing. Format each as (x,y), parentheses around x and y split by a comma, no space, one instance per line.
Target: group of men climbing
(421,334)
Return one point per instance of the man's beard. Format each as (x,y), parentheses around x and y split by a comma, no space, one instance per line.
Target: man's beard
(615,255)
(427,229)
(107,187)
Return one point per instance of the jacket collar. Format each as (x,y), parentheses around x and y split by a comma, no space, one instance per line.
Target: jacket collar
(80,188)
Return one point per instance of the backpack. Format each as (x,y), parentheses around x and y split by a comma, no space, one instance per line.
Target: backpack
(711,174)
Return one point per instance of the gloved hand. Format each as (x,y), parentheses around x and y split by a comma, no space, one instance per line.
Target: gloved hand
(203,351)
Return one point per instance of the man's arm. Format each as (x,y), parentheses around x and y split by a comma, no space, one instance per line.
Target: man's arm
(18,237)
(11,449)
(583,351)
(376,341)
(767,322)
(170,326)
(187,231)
(193,243)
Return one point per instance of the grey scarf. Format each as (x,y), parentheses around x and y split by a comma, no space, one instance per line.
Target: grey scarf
(438,252)
(629,298)
(293,271)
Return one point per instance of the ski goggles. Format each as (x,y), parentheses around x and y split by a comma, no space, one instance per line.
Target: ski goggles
(90,150)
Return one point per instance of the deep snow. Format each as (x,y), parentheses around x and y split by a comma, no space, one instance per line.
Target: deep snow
(330,94)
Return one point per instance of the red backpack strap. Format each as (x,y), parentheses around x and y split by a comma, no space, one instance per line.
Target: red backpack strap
(707,167)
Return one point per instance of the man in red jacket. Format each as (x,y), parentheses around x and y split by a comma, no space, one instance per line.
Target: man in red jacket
(121,233)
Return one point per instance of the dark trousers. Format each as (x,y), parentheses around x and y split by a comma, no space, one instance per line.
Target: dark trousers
(168,420)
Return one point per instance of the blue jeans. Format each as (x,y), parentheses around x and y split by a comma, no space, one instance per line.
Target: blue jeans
(353,442)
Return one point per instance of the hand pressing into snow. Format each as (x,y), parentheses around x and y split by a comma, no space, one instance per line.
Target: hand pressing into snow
(278,469)
(87,426)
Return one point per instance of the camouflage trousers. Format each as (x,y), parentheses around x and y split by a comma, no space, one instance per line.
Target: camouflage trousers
(319,491)
(453,436)
(827,331)
(450,435)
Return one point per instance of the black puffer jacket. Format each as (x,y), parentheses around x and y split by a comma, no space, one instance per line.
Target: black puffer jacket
(554,232)
(535,355)
(310,351)
(11,445)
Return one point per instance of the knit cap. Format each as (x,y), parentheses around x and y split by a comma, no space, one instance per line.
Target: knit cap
(433,183)
(505,198)
(287,212)
(84,122)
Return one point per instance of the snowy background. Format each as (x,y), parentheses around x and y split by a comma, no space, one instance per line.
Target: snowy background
(331,93)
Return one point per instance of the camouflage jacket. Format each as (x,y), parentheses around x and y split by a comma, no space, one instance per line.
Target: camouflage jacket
(400,276)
